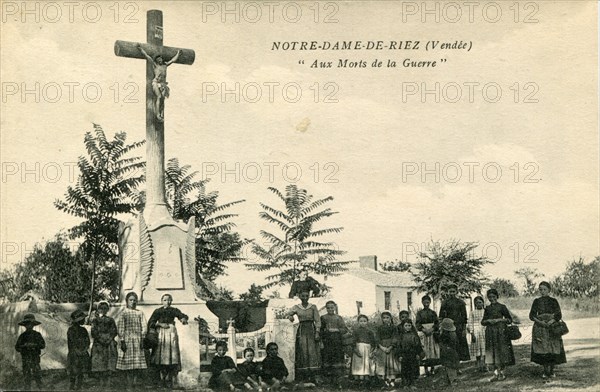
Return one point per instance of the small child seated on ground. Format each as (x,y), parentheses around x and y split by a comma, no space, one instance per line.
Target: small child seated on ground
(250,371)
(224,372)
(274,371)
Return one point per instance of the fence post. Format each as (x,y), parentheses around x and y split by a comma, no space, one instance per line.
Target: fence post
(232,343)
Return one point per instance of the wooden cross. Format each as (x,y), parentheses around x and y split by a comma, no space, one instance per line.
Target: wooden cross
(156,205)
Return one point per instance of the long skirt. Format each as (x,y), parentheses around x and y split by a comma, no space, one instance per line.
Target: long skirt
(498,348)
(546,349)
(333,351)
(133,357)
(167,351)
(430,346)
(104,357)
(386,364)
(362,366)
(462,348)
(478,346)
(308,353)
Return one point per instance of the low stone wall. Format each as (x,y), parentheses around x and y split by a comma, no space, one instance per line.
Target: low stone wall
(55,319)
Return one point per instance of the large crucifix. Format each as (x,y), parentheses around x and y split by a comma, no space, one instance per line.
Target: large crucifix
(158,58)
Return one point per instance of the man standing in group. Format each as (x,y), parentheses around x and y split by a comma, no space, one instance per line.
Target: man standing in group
(455,308)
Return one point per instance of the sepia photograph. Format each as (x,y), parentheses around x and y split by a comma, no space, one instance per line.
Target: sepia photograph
(307,195)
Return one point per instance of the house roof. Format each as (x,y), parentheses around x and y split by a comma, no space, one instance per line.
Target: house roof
(383,278)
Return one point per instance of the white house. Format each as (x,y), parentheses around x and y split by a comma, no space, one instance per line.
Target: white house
(374,290)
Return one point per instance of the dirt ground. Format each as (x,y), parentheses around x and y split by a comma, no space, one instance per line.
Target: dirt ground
(580,373)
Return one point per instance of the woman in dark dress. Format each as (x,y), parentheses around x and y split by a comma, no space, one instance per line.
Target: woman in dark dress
(546,349)
(308,352)
(498,348)
(456,310)
(166,355)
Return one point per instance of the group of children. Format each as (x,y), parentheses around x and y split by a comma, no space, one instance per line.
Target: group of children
(30,343)
(389,353)
(132,355)
(393,354)
(266,375)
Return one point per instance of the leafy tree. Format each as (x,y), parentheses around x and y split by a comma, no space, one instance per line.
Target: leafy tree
(505,287)
(216,244)
(580,279)
(297,240)
(108,186)
(254,293)
(105,188)
(7,285)
(530,277)
(395,265)
(453,262)
(55,272)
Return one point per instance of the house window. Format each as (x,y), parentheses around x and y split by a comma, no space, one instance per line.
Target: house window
(409,299)
(387,300)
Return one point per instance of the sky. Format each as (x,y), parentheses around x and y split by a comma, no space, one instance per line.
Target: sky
(496,145)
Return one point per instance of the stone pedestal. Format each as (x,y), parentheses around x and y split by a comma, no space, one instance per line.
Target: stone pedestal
(158,258)
(189,343)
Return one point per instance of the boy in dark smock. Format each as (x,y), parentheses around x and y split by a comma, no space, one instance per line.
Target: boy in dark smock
(274,370)
(30,344)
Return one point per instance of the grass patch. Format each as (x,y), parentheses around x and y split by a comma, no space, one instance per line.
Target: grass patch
(580,373)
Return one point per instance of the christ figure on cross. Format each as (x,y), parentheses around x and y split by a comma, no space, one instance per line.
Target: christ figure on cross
(159,83)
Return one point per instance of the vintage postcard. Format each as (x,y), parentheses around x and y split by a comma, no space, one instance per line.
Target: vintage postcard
(251,195)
